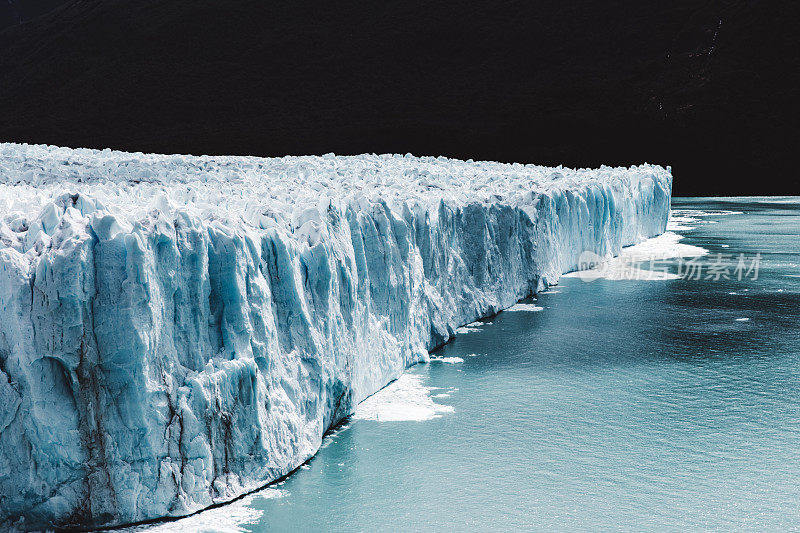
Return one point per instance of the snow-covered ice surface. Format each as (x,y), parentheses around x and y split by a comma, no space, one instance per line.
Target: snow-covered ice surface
(176,331)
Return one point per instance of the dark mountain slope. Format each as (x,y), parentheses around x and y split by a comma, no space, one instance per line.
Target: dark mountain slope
(705,86)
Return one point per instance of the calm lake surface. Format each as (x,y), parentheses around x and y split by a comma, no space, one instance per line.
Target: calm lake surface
(620,405)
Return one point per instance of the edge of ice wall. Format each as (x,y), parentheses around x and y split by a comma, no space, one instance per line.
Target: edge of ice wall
(159,354)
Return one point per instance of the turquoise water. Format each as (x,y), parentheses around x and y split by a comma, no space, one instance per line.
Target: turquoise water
(621,405)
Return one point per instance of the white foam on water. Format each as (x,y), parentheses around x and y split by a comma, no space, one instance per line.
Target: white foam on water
(716,213)
(681,223)
(229,518)
(625,265)
(330,436)
(622,272)
(742,319)
(405,399)
(759,199)
(450,360)
(472,327)
(688,219)
(665,246)
(525,307)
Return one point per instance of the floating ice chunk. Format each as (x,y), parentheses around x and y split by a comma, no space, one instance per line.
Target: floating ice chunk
(665,246)
(450,360)
(716,213)
(681,223)
(525,307)
(235,517)
(688,219)
(616,272)
(405,399)
(631,263)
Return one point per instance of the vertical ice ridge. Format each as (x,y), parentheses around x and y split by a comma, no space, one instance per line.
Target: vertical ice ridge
(156,360)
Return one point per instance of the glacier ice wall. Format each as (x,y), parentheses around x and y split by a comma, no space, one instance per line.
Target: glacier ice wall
(176,330)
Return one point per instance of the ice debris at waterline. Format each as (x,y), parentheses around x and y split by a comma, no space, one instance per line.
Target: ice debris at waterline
(406,399)
(176,331)
(525,307)
(625,265)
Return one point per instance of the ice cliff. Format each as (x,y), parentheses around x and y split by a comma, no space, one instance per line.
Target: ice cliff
(176,331)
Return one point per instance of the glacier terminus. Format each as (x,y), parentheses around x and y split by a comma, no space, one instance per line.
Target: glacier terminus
(176,331)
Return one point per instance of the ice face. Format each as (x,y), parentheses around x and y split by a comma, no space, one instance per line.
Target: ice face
(176,331)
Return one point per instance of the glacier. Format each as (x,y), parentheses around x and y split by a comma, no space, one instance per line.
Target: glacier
(176,331)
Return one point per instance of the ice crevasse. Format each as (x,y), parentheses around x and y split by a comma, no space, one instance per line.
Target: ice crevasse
(176,331)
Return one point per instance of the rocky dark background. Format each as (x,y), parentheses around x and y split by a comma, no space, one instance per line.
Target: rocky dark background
(705,86)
